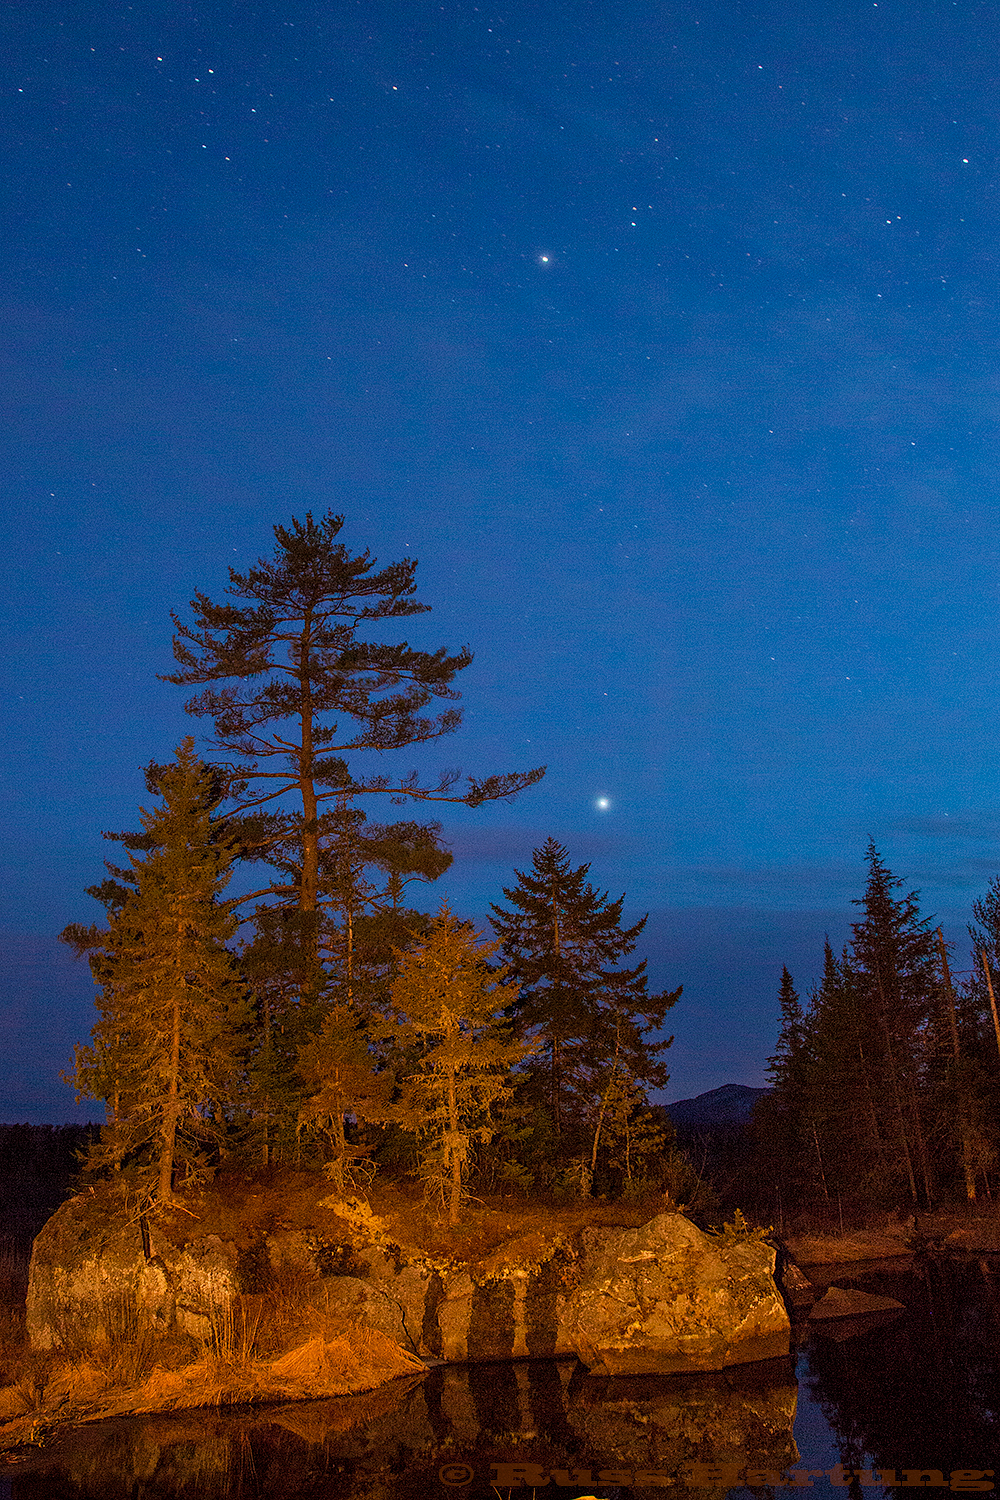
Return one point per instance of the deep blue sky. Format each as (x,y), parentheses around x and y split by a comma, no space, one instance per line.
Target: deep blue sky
(665,335)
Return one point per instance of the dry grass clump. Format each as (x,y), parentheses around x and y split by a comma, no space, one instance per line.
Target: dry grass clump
(234,1334)
(288,1302)
(826,1249)
(339,1360)
(118,1349)
(26,1392)
(125,1348)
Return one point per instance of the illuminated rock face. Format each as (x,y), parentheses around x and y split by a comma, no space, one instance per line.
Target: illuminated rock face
(661,1299)
(666,1299)
(83,1262)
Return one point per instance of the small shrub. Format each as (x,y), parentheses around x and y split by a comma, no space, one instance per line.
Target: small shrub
(739,1232)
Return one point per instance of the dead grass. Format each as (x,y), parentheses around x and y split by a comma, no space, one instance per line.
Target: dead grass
(235,1331)
(861,1244)
(888,1236)
(26,1392)
(126,1346)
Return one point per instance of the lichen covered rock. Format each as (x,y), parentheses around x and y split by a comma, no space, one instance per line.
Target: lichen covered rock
(666,1298)
(87,1260)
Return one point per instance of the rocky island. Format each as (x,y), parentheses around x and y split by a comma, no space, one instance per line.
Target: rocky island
(298,1294)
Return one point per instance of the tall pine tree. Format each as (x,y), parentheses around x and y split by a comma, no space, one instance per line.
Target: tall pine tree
(894,966)
(307,688)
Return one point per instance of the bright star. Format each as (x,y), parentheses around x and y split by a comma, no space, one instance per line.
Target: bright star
(603,803)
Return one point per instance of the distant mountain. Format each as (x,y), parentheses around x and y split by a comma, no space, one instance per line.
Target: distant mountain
(719,1109)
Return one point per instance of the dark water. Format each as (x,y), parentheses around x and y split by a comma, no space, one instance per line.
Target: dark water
(899,1402)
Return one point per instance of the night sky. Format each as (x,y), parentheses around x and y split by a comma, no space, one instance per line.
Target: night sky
(663,334)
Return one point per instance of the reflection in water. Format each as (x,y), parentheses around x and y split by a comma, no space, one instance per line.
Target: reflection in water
(924,1391)
(395,1442)
(921,1392)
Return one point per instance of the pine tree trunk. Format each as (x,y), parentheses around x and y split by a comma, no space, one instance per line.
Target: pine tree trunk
(309,890)
(340,1149)
(556,1113)
(171,1110)
(604,1102)
(963,1134)
(993,1003)
(456,1164)
(266,1056)
(872,1113)
(894,1085)
(556,1117)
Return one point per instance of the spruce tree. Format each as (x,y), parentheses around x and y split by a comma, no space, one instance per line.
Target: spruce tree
(286,989)
(894,965)
(593,1021)
(167,1053)
(844,1143)
(789,1067)
(447,1021)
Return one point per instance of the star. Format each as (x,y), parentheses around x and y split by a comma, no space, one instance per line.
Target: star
(602,803)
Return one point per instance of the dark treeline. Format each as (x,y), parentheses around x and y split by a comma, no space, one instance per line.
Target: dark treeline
(887,1078)
(38,1168)
(324,1019)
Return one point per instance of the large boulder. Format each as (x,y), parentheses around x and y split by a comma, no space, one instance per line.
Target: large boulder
(665,1299)
(91,1270)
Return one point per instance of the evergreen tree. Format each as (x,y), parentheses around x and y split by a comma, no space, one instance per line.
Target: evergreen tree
(167,1052)
(789,1067)
(342,1082)
(366,869)
(632,1140)
(287,995)
(843,1123)
(895,967)
(784,1120)
(890,1079)
(307,688)
(446,1001)
(979,1031)
(591,1019)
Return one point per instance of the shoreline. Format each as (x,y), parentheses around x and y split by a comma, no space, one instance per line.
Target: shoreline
(947,1231)
(355,1362)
